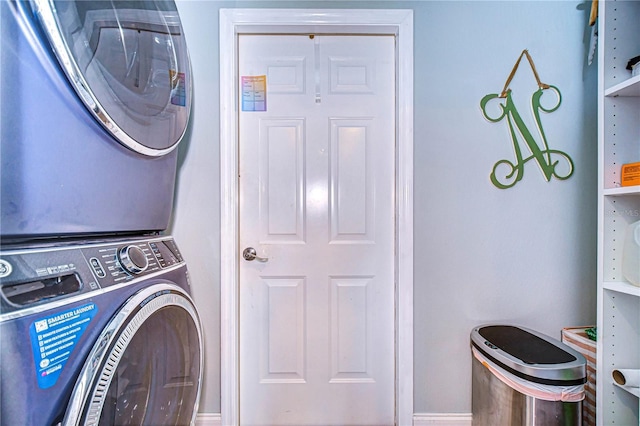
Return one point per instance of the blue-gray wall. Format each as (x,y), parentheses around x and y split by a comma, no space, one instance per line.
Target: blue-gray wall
(524,255)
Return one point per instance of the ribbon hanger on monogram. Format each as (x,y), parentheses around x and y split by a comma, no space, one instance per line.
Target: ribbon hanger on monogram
(541,85)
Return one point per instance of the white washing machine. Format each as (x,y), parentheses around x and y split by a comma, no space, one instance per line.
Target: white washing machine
(95,98)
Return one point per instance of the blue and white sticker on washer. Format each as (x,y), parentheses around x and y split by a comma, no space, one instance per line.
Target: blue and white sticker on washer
(53,339)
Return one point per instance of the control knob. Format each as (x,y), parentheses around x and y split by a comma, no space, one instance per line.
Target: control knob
(132,259)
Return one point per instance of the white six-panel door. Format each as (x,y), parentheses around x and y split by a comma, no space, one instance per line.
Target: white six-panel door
(316,173)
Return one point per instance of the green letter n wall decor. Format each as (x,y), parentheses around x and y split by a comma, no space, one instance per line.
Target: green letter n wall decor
(547,158)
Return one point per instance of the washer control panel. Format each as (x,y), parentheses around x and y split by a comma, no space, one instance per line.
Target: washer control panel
(113,264)
(38,275)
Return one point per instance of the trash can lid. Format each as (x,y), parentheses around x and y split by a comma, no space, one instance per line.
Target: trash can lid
(530,355)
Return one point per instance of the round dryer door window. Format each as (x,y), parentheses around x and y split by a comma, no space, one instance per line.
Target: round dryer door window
(128,63)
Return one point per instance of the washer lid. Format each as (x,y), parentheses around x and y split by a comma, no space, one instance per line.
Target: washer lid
(128,62)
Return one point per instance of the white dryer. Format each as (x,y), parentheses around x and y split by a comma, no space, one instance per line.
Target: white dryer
(95,97)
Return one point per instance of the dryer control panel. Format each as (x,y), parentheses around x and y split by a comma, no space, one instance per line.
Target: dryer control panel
(40,275)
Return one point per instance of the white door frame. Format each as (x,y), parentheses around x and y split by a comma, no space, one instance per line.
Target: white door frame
(317,21)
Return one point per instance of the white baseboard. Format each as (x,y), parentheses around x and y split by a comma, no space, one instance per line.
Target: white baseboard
(441,419)
(419,419)
(208,419)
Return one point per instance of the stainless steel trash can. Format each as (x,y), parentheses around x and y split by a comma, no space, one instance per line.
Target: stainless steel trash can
(524,378)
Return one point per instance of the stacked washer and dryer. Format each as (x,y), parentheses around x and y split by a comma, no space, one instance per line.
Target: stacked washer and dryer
(97,325)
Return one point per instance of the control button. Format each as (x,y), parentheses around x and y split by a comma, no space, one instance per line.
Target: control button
(132,259)
(5,268)
(97,267)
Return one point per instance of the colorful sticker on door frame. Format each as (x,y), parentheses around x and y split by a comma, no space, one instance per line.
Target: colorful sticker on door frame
(254,93)
(505,173)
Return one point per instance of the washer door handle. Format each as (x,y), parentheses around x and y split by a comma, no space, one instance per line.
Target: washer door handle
(250,254)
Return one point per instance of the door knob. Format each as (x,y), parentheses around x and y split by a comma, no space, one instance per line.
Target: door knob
(250,254)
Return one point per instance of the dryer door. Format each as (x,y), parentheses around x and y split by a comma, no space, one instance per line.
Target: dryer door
(128,63)
(146,367)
